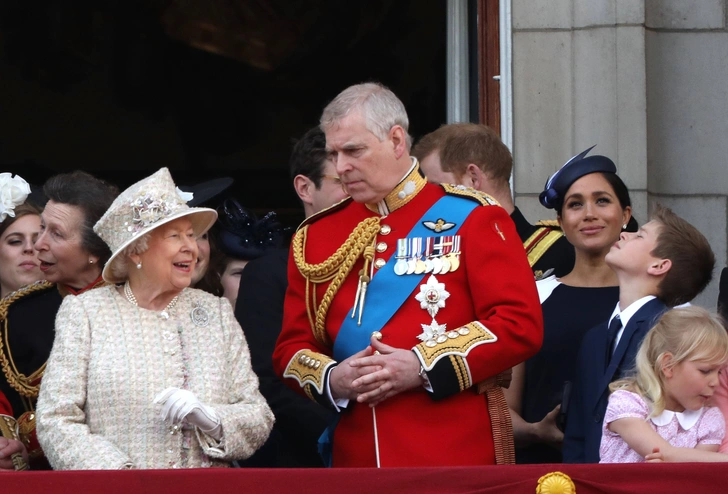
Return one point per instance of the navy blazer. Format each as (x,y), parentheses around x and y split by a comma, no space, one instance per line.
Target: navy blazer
(590,391)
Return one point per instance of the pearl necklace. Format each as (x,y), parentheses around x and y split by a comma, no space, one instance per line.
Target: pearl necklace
(131,298)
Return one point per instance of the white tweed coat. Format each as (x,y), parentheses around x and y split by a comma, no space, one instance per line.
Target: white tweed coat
(110,359)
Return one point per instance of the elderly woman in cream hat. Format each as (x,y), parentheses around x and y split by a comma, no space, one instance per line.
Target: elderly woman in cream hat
(150,374)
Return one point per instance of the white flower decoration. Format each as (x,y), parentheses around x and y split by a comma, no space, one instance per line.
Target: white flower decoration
(13,192)
(432,296)
(185,196)
(147,209)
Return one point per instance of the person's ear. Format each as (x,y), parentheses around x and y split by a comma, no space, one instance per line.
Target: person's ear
(659,267)
(398,137)
(666,364)
(626,215)
(304,188)
(475,176)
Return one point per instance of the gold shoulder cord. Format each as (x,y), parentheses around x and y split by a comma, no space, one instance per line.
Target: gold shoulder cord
(336,268)
(19,382)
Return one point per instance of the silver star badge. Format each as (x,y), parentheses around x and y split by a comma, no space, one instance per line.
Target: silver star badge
(432,331)
(432,296)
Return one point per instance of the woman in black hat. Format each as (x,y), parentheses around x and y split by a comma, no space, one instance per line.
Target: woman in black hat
(593,207)
(240,238)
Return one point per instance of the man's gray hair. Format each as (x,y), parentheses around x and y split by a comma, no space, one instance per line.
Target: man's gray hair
(380,107)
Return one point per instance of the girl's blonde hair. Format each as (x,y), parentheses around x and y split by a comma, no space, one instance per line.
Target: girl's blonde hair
(689,334)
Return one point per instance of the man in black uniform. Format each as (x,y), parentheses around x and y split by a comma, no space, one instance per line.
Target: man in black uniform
(473,155)
(259,309)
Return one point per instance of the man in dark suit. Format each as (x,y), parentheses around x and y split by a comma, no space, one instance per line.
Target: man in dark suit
(723,294)
(474,156)
(259,309)
(668,262)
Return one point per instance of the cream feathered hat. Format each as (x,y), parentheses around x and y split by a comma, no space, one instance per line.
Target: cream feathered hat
(141,208)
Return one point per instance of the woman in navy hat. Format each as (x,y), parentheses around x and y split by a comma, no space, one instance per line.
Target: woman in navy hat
(593,207)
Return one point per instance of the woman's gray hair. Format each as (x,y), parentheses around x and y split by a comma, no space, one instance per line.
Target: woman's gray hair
(381,109)
(120,268)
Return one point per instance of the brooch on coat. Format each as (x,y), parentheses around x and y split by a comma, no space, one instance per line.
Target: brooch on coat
(199,315)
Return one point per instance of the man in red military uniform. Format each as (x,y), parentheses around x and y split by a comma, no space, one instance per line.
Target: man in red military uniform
(404,302)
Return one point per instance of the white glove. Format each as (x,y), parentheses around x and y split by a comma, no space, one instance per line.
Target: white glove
(180,404)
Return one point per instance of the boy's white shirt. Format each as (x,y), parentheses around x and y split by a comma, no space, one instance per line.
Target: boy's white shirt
(627,314)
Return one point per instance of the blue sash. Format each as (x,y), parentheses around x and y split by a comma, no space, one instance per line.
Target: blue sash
(387,292)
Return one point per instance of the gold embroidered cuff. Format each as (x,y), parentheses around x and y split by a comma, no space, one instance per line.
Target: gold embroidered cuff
(9,430)
(309,369)
(458,344)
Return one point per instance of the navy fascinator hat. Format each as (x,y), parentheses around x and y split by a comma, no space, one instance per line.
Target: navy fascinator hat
(553,193)
(242,235)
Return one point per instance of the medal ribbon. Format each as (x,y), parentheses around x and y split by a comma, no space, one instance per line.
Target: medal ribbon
(387,291)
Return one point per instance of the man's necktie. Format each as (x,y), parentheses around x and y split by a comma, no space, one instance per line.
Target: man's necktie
(612,331)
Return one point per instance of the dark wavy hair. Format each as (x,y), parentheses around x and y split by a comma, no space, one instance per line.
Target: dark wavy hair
(92,196)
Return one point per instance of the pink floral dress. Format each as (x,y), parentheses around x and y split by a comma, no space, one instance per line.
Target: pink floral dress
(683,430)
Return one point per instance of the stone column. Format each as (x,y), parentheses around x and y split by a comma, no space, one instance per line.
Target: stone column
(687,117)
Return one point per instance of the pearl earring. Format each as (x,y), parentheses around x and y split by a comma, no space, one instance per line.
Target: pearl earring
(90,261)
(139,265)
(624,227)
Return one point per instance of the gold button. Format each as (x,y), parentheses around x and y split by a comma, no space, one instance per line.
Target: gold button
(381,247)
(379,263)
(377,335)
(385,230)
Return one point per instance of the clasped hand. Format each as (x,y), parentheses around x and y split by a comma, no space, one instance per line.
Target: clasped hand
(376,373)
(9,447)
(181,405)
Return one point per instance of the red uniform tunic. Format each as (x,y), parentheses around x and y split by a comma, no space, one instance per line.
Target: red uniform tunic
(493,286)
(5,406)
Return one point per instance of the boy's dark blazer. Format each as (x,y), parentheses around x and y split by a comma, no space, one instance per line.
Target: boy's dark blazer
(590,392)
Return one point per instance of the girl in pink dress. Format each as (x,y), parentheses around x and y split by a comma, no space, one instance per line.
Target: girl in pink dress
(662,408)
(720,400)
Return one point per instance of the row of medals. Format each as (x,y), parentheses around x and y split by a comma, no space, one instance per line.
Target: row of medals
(410,262)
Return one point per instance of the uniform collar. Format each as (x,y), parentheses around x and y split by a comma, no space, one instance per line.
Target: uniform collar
(686,419)
(67,290)
(406,190)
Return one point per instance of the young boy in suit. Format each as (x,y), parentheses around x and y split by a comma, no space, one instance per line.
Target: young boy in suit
(668,262)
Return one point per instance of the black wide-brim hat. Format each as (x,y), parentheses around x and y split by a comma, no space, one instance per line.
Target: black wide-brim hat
(205,191)
(558,184)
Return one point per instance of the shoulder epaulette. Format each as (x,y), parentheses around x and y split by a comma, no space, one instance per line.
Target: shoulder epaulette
(549,223)
(540,241)
(324,212)
(7,301)
(470,193)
